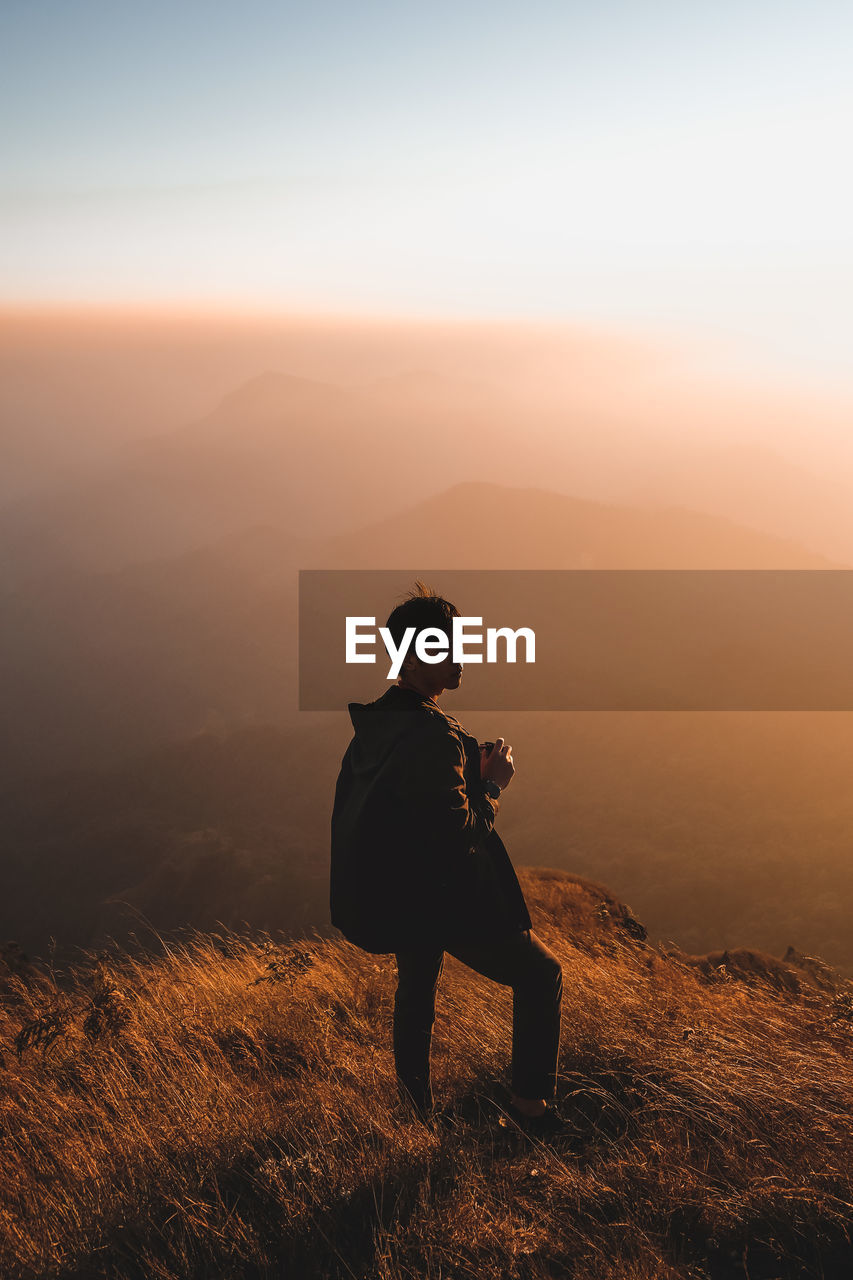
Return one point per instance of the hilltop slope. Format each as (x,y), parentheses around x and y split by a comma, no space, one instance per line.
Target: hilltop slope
(228,1109)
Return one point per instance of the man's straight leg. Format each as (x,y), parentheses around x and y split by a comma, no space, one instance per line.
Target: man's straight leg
(524,963)
(418,972)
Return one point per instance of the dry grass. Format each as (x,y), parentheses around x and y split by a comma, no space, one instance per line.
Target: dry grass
(228,1110)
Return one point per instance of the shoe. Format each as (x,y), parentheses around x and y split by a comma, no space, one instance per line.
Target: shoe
(547,1127)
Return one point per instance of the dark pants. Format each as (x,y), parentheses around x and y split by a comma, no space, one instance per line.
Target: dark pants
(522,962)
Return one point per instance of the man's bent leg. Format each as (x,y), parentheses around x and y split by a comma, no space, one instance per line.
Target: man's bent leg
(414,1013)
(524,963)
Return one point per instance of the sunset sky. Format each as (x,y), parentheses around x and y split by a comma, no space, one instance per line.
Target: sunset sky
(651,165)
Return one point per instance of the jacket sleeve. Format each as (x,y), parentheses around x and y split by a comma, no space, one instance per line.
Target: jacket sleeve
(433,789)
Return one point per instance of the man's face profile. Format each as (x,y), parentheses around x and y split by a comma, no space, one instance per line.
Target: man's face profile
(431,677)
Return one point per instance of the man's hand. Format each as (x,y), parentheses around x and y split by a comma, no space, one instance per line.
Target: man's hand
(497,763)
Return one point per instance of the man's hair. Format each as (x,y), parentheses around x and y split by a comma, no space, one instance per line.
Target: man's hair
(421,608)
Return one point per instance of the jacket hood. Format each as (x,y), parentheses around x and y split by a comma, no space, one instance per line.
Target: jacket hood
(379,726)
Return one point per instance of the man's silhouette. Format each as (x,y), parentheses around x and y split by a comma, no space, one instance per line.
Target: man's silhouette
(418,869)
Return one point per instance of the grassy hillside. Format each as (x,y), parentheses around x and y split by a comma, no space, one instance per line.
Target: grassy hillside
(227,1109)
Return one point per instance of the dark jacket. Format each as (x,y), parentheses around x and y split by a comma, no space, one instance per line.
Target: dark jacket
(415,857)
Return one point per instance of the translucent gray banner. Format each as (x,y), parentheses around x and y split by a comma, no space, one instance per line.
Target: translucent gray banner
(605,640)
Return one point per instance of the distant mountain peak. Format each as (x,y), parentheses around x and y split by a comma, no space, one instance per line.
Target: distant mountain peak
(275,391)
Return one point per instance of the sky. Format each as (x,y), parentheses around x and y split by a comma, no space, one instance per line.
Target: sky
(651,165)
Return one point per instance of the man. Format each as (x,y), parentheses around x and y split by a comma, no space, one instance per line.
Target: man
(417,869)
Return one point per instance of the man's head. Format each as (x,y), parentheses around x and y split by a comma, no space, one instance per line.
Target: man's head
(423,609)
